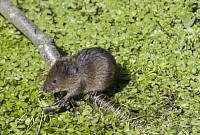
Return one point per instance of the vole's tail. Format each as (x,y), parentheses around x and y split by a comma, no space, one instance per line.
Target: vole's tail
(124,114)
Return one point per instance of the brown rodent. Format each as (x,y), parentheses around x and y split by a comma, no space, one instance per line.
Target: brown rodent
(90,70)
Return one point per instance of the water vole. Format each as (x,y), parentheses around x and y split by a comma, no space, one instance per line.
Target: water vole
(90,70)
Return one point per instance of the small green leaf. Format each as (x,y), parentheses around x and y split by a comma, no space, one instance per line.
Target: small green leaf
(188,19)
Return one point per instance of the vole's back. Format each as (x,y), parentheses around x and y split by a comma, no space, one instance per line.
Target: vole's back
(97,68)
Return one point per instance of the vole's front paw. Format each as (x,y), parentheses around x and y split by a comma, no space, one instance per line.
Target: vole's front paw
(61,103)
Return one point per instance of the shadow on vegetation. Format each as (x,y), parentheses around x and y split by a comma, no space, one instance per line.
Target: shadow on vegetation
(122,79)
(61,51)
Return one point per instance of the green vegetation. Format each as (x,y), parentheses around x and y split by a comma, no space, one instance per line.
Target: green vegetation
(157,41)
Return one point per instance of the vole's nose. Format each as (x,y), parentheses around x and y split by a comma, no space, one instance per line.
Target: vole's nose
(45,88)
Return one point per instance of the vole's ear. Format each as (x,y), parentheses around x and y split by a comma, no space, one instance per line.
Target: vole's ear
(71,71)
(68,65)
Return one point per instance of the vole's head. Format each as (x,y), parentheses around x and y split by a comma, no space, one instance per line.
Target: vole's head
(63,76)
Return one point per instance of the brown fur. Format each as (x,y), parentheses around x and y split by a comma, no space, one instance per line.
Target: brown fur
(90,70)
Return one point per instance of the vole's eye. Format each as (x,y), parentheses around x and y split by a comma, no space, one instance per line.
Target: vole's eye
(55,81)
